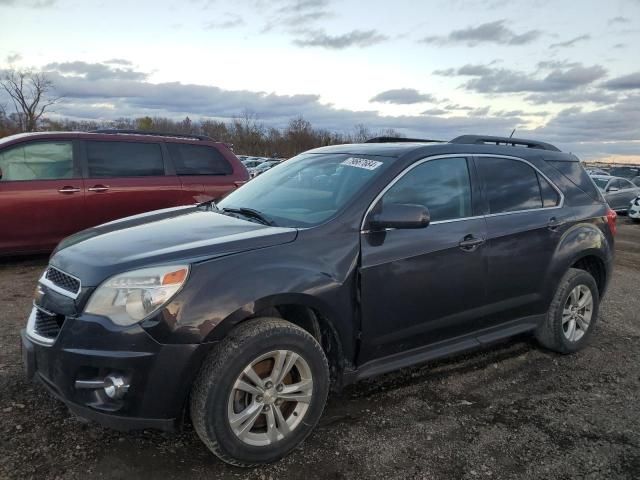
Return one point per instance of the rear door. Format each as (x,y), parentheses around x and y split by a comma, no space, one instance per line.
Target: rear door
(204,167)
(525,222)
(41,195)
(126,178)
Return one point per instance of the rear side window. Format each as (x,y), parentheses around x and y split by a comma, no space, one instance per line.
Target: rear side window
(198,160)
(37,161)
(124,159)
(624,184)
(443,186)
(513,186)
(576,173)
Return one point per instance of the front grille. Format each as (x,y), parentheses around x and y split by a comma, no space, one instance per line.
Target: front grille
(63,280)
(47,325)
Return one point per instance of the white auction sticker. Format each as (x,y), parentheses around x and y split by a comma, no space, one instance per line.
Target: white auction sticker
(362,163)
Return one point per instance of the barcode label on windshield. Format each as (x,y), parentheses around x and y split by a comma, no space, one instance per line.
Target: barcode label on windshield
(362,163)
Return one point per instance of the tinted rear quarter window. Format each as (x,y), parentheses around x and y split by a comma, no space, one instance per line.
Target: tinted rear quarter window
(198,160)
(575,172)
(124,159)
(510,185)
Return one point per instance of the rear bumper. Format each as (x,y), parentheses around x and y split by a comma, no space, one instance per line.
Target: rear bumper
(159,375)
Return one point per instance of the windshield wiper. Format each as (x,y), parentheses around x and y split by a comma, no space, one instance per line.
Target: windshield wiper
(251,213)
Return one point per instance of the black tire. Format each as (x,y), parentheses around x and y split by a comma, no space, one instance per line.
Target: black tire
(213,386)
(551,333)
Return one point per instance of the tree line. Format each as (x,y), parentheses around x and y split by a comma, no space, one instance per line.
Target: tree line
(31,97)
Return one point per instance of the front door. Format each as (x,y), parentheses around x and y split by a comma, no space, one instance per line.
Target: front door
(41,195)
(422,286)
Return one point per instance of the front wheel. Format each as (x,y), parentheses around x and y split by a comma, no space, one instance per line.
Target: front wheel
(260,392)
(572,314)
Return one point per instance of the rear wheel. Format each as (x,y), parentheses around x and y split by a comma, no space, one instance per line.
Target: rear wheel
(573,313)
(260,392)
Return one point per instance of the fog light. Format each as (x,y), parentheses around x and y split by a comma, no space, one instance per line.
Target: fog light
(115,386)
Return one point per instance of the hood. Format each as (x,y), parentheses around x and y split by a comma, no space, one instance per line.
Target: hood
(175,235)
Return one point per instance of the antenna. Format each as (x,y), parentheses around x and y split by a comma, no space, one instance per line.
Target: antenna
(512,132)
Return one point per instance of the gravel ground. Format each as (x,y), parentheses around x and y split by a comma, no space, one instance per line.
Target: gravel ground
(514,411)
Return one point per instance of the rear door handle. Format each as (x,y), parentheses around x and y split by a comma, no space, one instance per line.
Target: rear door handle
(469,243)
(554,224)
(99,188)
(68,189)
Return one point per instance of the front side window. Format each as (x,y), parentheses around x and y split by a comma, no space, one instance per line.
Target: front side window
(37,161)
(198,160)
(124,159)
(442,185)
(512,186)
(308,189)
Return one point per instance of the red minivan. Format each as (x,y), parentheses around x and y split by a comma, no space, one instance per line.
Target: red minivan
(53,184)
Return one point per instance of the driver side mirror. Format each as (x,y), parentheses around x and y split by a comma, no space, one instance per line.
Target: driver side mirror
(400,216)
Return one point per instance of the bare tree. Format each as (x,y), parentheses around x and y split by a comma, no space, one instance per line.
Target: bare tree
(30,93)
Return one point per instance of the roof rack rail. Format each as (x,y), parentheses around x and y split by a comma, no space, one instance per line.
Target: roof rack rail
(115,131)
(401,139)
(514,142)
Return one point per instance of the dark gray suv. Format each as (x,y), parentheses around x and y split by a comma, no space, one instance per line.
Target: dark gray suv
(340,264)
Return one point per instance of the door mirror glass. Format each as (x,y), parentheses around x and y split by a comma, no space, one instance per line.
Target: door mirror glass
(400,216)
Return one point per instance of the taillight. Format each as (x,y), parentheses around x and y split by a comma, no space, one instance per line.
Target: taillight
(611,220)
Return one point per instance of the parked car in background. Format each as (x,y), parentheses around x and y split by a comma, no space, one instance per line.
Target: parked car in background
(252,162)
(263,167)
(617,191)
(57,183)
(245,314)
(636,181)
(628,172)
(597,171)
(634,209)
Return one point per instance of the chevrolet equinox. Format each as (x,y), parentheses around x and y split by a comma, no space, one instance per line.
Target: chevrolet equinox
(342,263)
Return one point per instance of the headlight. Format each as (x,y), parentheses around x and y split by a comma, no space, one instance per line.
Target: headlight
(130,297)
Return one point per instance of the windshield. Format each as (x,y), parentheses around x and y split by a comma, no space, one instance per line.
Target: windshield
(601,183)
(308,189)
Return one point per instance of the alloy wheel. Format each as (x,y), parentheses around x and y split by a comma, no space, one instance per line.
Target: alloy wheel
(270,398)
(577,313)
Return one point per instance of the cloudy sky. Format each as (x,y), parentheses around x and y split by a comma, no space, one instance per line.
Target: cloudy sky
(565,71)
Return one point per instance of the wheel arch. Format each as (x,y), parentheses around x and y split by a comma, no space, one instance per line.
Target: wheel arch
(585,247)
(305,311)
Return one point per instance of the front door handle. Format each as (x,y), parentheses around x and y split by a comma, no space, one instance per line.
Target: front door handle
(68,189)
(99,188)
(470,243)
(554,224)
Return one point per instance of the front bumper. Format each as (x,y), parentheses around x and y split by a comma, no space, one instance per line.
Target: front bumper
(90,348)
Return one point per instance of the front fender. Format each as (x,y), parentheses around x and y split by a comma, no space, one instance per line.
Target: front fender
(223,292)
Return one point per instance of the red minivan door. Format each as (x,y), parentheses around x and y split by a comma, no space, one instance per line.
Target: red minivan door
(124,178)
(41,195)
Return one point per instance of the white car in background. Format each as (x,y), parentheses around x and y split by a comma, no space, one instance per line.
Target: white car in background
(634,209)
